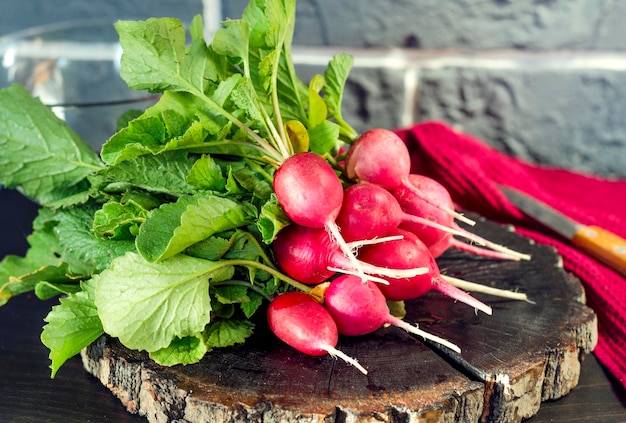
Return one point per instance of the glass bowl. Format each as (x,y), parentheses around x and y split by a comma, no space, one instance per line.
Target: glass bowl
(73,67)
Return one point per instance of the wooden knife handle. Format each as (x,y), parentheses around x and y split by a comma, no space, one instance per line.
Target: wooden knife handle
(603,245)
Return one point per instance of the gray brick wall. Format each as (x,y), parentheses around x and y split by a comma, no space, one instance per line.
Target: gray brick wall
(541,79)
(16,15)
(436,24)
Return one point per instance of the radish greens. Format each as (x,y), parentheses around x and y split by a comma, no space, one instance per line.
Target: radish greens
(161,239)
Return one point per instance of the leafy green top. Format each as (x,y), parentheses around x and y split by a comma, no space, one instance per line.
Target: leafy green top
(161,240)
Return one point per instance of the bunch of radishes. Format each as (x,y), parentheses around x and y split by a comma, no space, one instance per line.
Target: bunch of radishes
(397,222)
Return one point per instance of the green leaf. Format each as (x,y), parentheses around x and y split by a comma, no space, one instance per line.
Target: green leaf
(119,221)
(144,135)
(244,100)
(165,173)
(271,220)
(175,226)
(146,305)
(71,326)
(232,41)
(187,350)
(231,294)
(212,248)
(155,57)
(44,290)
(244,246)
(39,152)
(226,333)
(318,110)
(80,248)
(336,76)
(252,178)
(150,133)
(17,280)
(256,18)
(251,306)
(206,174)
(298,136)
(42,260)
(271,26)
(324,137)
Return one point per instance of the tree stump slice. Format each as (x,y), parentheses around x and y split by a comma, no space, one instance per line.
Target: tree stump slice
(510,362)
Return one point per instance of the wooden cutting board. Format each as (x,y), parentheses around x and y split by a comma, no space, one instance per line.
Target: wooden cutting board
(511,361)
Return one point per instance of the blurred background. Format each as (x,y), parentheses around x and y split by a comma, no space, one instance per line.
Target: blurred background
(65,52)
(544,80)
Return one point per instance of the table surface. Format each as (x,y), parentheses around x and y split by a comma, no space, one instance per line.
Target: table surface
(28,394)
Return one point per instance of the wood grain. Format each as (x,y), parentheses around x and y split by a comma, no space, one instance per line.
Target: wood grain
(510,362)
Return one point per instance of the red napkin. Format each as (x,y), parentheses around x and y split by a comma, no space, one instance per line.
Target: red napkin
(472,171)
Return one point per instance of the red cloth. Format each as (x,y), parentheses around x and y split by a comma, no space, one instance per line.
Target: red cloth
(472,171)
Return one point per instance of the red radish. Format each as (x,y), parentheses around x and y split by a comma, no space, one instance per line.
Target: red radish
(438,238)
(309,256)
(311,194)
(380,156)
(360,308)
(301,322)
(308,190)
(370,211)
(410,252)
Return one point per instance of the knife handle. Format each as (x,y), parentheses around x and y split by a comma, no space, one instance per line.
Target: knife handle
(603,245)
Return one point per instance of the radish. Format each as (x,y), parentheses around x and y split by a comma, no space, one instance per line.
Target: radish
(370,211)
(437,238)
(309,256)
(380,156)
(410,252)
(311,194)
(360,308)
(304,324)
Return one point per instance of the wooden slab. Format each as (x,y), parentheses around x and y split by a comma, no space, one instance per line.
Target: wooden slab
(511,361)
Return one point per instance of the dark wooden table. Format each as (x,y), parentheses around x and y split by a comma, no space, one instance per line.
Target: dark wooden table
(27,394)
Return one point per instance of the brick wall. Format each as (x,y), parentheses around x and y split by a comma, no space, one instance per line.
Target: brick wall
(544,79)
(18,15)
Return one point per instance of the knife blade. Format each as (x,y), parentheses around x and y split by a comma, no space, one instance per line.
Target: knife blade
(595,241)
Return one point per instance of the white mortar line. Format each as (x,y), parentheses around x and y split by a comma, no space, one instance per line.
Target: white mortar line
(411,91)
(492,59)
(212,17)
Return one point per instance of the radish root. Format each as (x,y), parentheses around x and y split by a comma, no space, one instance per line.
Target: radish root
(507,252)
(496,292)
(334,352)
(416,331)
(452,291)
(459,216)
(335,236)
